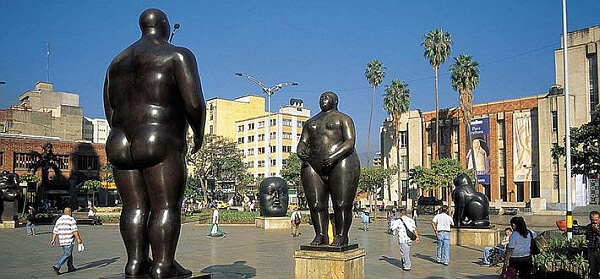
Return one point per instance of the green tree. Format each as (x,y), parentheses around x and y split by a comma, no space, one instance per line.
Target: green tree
(585,147)
(372,178)
(396,101)
(465,77)
(218,159)
(423,177)
(291,169)
(444,171)
(108,172)
(91,187)
(437,46)
(374,73)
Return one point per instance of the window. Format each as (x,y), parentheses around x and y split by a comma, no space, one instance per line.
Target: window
(261,150)
(455,155)
(287,135)
(429,160)
(442,136)
(62,161)
(261,175)
(404,189)
(404,163)
(535,189)
(273,122)
(554,116)
(403,139)
(455,135)
(87,162)
(23,160)
(283,162)
(429,136)
(556,182)
(501,129)
(261,163)
(261,124)
(261,137)
(250,138)
(593,77)
(300,124)
(287,122)
(241,128)
(1,158)
(501,158)
(286,149)
(251,126)
(273,149)
(503,190)
(241,140)
(210,129)
(520,191)
(250,152)
(273,135)
(273,162)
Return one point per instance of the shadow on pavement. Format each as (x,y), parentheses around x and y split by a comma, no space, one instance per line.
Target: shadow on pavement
(483,276)
(237,270)
(392,261)
(98,263)
(426,257)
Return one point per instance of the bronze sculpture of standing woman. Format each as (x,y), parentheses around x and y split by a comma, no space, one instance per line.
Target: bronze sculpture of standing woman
(152,92)
(330,166)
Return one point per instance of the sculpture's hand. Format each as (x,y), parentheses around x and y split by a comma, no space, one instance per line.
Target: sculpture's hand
(330,160)
(197,143)
(302,154)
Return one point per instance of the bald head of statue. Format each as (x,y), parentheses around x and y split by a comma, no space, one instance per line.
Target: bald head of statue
(154,22)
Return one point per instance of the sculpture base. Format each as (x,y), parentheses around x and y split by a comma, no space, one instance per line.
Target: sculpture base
(122,276)
(327,248)
(348,264)
(8,225)
(477,237)
(273,223)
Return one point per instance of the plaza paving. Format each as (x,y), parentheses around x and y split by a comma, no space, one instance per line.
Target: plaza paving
(245,252)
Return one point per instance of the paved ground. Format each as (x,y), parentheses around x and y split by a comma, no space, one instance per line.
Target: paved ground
(245,252)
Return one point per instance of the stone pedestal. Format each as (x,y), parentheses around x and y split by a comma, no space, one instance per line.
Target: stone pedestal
(193,276)
(9,210)
(8,225)
(475,237)
(348,264)
(538,205)
(273,223)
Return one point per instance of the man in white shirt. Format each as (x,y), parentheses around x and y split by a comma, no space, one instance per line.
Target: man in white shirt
(66,230)
(441,224)
(400,226)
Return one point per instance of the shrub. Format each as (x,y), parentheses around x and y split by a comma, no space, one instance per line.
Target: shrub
(563,258)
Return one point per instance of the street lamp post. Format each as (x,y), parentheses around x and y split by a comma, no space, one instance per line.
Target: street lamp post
(567,123)
(175,27)
(269,91)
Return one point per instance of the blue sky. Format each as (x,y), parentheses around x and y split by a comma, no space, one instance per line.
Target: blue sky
(322,45)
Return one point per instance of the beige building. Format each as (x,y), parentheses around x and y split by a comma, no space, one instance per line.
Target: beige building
(222,114)
(95,130)
(44,112)
(515,139)
(267,143)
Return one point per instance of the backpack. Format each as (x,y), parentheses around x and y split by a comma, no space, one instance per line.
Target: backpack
(297,219)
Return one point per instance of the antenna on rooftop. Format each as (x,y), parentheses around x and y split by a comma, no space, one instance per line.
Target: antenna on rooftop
(48,61)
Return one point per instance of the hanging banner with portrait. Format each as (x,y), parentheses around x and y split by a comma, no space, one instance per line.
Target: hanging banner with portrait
(480,137)
(523,167)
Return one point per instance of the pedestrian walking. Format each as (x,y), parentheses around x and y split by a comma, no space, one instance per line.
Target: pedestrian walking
(295,219)
(406,229)
(592,235)
(441,224)
(518,250)
(415,213)
(66,230)
(365,220)
(215,230)
(30,226)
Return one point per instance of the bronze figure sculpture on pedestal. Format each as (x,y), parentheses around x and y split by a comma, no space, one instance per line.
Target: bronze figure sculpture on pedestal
(10,194)
(151,92)
(330,166)
(471,208)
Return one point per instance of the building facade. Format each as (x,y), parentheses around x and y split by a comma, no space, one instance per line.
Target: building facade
(44,112)
(221,114)
(267,142)
(95,130)
(512,139)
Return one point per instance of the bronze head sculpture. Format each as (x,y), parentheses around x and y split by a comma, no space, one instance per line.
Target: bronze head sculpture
(330,166)
(273,197)
(471,208)
(152,92)
(9,186)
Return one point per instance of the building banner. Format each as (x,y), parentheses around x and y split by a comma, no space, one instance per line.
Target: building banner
(480,136)
(523,167)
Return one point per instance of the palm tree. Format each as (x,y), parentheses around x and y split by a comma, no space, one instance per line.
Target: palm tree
(396,101)
(437,45)
(465,77)
(374,73)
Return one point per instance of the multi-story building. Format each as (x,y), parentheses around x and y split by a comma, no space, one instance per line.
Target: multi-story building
(95,130)
(512,139)
(268,142)
(221,114)
(44,112)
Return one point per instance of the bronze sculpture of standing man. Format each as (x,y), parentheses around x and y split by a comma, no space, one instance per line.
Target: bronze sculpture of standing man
(151,92)
(330,166)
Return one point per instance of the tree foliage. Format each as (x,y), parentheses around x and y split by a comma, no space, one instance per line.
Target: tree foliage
(585,147)
(219,159)
(372,178)
(291,169)
(374,74)
(108,169)
(441,173)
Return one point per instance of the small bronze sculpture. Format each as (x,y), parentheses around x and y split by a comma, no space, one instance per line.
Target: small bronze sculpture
(151,92)
(330,165)
(471,208)
(273,197)
(9,195)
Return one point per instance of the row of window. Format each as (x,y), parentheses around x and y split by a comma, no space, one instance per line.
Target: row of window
(261,137)
(261,150)
(24,160)
(273,122)
(261,163)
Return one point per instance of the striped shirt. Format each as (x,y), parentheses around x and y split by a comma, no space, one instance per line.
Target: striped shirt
(65,227)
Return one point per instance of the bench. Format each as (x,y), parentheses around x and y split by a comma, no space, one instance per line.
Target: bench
(510,210)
